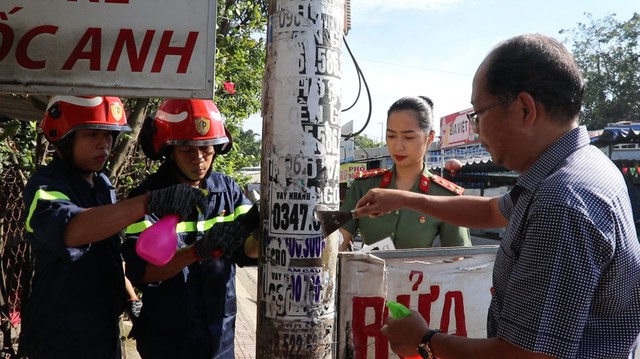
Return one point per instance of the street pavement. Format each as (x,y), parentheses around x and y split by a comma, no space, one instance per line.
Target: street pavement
(246,292)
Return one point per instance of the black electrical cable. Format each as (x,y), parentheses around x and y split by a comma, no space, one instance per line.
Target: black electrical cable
(361,80)
(359,86)
(362,148)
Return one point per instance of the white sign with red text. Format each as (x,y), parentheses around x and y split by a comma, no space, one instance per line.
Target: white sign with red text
(455,130)
(450,287)
(137,48)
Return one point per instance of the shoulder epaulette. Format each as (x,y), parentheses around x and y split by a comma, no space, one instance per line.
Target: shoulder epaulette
(370,173)
(448,185)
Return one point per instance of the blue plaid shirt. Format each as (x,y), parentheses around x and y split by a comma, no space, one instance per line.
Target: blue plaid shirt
(567,275)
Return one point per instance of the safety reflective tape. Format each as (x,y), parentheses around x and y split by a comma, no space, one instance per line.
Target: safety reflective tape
(186,227)
(202,226)
(45,196)
(242,209)
(138,227)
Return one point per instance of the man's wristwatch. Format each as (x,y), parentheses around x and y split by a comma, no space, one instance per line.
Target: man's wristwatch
(424,348)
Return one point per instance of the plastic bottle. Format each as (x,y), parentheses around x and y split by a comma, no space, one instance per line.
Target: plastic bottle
(157,244)
(399,311)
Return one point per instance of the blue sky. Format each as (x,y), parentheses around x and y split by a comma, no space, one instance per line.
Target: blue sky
(433,47)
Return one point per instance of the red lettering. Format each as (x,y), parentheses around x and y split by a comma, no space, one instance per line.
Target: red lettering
(22,56)
(425,300)
(136,60)
(404,299)
(461,323)
(184,52)
(3,15)
(93,35)
(417,283)
(362,331)
(7,40)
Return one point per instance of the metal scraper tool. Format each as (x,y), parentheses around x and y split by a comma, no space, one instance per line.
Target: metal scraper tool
(331,221)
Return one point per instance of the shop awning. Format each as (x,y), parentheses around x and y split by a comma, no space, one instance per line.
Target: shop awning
(616,133)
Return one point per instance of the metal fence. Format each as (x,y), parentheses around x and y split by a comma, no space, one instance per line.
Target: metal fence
(15,258)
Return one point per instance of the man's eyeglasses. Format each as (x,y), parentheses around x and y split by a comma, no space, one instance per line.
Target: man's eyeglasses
(474,118)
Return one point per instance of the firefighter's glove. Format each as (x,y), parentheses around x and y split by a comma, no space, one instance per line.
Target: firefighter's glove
(251,221)
(222,239)
(180,199)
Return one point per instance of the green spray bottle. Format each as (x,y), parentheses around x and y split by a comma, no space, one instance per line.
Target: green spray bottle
(398,310)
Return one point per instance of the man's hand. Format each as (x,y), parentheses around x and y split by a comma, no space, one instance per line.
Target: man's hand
(405,334)
(378,202)
(225,237)
(180,199)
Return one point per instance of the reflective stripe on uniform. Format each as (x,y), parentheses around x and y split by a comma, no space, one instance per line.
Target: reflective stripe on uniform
(202,226)
(185,227)
(46,196)
(138,227)
(242,209)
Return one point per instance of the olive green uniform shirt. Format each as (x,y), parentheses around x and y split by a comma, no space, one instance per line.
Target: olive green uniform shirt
(407,228)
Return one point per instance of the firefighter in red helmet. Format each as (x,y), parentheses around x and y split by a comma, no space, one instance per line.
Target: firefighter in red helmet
(189,303)
(73,224)
(185,122)
(67,114)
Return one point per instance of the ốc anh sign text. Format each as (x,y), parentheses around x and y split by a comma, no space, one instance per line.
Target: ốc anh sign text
(142,48)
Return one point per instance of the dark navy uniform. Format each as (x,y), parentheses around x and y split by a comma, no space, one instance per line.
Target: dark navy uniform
(77,293)
(192,314)
(407,228)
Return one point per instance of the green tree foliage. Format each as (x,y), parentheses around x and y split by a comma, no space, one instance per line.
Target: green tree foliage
(364,141)
(250,145)
(608,52)
(245,153)
(18,140)
(240,57)
(17,147)
(240,60)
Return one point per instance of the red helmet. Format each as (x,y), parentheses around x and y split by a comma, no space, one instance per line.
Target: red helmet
(66,114)
(190,122)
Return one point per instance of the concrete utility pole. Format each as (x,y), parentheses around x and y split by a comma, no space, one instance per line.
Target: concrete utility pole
(300,168)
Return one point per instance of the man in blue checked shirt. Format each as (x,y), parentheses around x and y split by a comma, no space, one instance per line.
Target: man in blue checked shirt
(566,278)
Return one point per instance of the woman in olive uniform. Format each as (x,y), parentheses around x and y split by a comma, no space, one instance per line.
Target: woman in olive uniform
(409,134)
